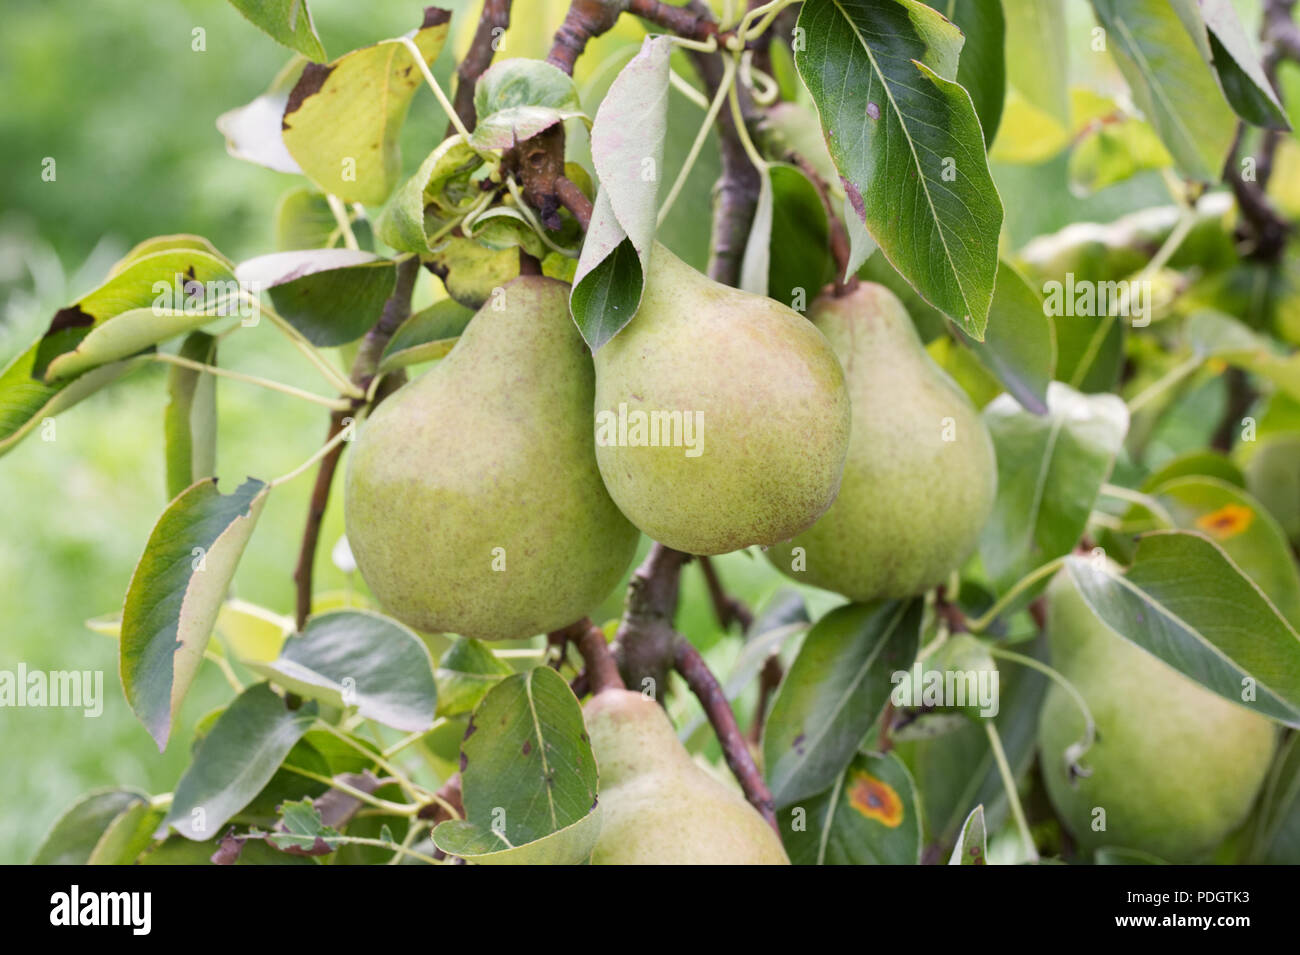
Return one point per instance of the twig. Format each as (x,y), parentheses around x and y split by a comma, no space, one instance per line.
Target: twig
(602,670)
(726,607)
(573,199)
(837,232)
(585,20)
(705,686)
(643,645)
(396,310)
(768,680)
(492,23)
(691,24)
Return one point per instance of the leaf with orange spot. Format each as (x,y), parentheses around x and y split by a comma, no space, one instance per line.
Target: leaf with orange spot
(875,799)
(1228,521)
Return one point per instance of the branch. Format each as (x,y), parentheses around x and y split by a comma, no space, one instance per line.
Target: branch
(602,670)
(726,607)
(585,20)
(575,200)
(492,22)
(643,645)
(396,310)
(694,24)
(704,685)
(768,680)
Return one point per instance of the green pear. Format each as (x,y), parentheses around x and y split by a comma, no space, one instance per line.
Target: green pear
(473,502)
(658,806)
(1175,767)
(920,476)
(722,418)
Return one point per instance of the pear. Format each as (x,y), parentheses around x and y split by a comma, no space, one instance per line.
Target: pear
(473,503)
(1273,476)
(1175,767)
(658,806)
(722,419)
(920,476)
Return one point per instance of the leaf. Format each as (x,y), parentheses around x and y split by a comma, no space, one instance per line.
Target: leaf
(235,760)
(428,334)
(443,189)
(627,149)
(1050,469)
(74,835)
(802,260)
(251,633)
(26,400)
(127,836)
(1184,601)
(756,261)
(129,312)
(303,220)
(1111,145)
(982,66)
(972,846)
(870,816)
(517,99)
(470,272)
(1019,344)
(301,828)
(342,121)
(1241,74)
(332,296)
(357,658)
(176,592)
(1278,838)
(526,764)
(835,689)
(1211,464)
(1036,34)
(1238,523)
(568,846)
(287,22)
(1168,73)
(253,131)
(1214,335)
(190,420)
(465,674)
(908,145)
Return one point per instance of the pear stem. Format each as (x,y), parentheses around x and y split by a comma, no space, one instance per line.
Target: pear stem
(1009,784)
(688,662)
(602,670)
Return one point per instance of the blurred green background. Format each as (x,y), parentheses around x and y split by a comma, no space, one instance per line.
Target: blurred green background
(117,94)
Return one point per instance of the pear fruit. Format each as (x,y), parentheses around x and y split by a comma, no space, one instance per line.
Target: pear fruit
(1273,476)
(920,476)
(721,416)
(658,806)
(1175,767)
(473,503)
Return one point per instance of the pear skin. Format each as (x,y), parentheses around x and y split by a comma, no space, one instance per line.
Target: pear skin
(473,503)
(766,393)
(920,476)
(659,807)
(1175,767)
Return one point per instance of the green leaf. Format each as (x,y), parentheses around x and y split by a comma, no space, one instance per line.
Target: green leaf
(1249,536)
(527,767)
(568,846)
(908,145)
(1211,464)
(303,829)
(1019,344)
(332,296)
(1240,72)
(74,835)
(285,21)
(356,658)
(758,245)
(470,272)
(1184,601)
(26,400)
(426,335)
(1214,335)
(176,851)
(1050,469)
(802,262)
(303,220)
(342,121)
(870,816)
(835,689)
(982,66)
(237,757)
(130,312)
(1167,68)
(627,149)
(442,190)
(127,836)
(253,131)
(1038,65)
(465,674)
(517,99)
(1278,838)
(190,420)
(972,846)
(175,595)
(1111,145)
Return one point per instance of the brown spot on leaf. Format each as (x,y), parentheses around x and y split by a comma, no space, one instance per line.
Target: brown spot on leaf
(855,197)
(873,111)
(435,17)
(875,799)
(309,83)
(528,746)
(70,317)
